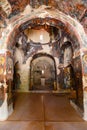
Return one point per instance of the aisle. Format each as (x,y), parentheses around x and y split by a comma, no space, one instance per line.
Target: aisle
(43,112)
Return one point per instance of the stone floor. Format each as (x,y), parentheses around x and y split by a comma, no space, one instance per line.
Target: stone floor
(43,112)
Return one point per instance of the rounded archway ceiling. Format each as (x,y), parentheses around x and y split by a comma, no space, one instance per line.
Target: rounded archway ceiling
(35,36)
(50,17)
(42,34)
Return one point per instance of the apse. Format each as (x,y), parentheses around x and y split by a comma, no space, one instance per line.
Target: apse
(43,72)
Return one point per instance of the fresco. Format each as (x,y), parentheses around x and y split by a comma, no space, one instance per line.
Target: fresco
(26,48)
(9,68)
(1,94)
(2,63)
(85,71)
(69,78)
(17,21)
(85,63)
(2,78)
(73,8)
(78,79)
(9,77)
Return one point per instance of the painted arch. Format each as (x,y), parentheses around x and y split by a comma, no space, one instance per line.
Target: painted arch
(50,72)
(52,17)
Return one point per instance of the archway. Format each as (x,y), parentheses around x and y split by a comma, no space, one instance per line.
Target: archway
(43,72)
(73,30)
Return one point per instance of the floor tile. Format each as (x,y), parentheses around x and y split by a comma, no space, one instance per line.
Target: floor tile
(58,108)
(66,126)
(28,107)
(21,125)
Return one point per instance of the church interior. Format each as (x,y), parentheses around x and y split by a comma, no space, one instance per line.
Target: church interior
(43,64)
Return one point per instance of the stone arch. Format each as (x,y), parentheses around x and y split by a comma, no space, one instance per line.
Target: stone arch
(55,18)
(51,17)
(39,55)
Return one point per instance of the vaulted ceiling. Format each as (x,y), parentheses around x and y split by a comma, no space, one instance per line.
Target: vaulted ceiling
(74,8)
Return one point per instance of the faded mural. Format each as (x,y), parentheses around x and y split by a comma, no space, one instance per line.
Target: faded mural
(2,78)
(31,27)
(25,48)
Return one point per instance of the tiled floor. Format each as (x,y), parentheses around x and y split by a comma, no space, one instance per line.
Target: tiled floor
(43,112)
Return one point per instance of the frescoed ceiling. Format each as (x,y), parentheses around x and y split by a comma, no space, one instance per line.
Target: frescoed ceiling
(75,8)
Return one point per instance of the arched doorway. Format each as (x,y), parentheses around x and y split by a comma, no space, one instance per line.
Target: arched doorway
(43,72)
(54,18)
(66,66)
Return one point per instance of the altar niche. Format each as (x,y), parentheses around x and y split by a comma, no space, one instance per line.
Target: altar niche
(42,73)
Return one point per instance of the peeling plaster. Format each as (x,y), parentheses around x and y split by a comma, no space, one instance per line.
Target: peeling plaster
(72,25)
